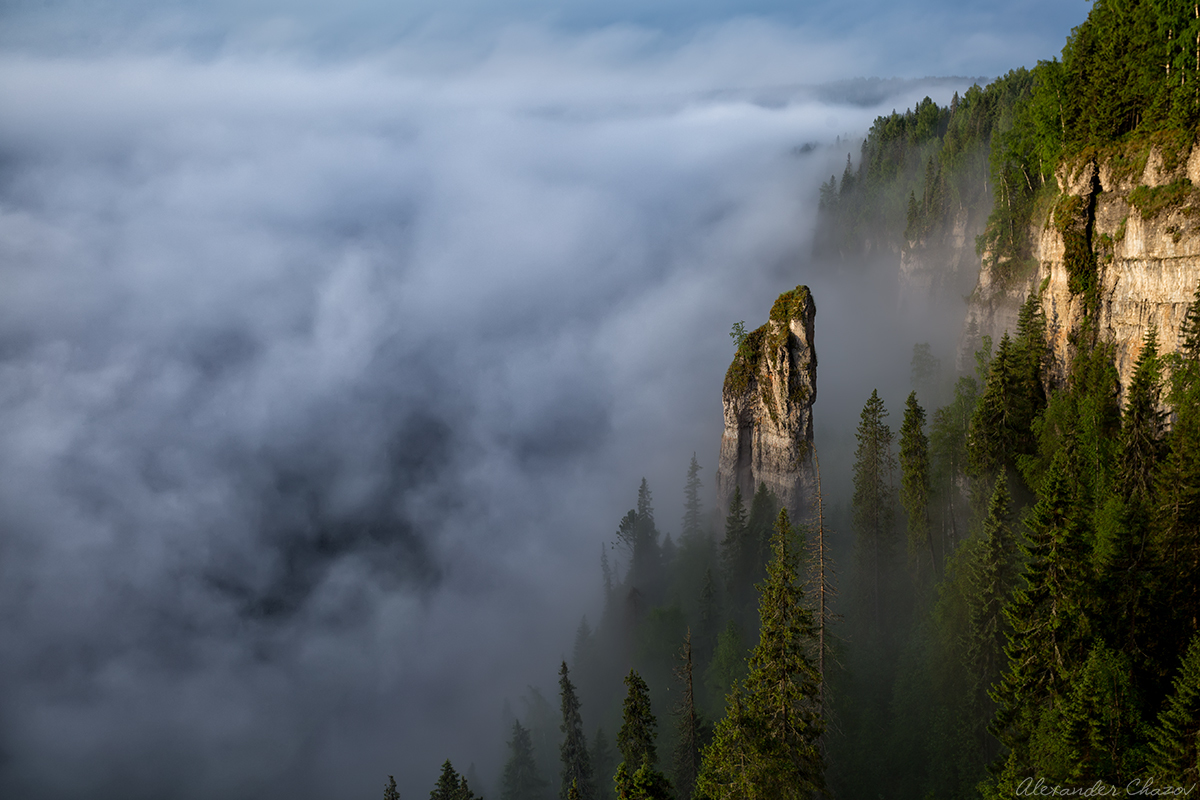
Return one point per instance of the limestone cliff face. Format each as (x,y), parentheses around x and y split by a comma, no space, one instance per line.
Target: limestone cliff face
(1142,228)
(769,391)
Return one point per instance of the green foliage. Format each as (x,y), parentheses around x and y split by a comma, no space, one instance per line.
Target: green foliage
(691,506)
(767,745)
(728,664)
(738,333)
(746,361)
(604,764)
(645,783)
(992,578)
(451,786)
(926,371)
(1174,757)
(576,763)
(390,792)
(689,726)
(1049,623)
(1142,426)
(941,151)
(1102,724)
(635,741)
(1152,201)
(873,502)
(914,482)
(521,779)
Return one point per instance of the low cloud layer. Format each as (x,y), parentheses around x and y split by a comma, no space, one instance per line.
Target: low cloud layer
(322,381)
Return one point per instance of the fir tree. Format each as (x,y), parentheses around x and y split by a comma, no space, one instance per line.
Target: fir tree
(576,766)
(767,745)
(390,792)
(521,780)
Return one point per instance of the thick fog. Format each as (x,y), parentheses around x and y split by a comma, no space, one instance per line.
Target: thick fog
(324,378)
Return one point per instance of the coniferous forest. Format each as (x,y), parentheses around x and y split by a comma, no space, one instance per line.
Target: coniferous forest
(1009,588)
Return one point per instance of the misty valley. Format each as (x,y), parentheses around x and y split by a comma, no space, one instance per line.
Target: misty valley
(596,402)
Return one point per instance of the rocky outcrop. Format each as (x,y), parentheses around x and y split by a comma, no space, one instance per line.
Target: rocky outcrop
(1138,231)
(768,396)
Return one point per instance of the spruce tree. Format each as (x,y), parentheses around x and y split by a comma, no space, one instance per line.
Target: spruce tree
(635,740)
(637,776)
(1000,424)
(521,780)
(1049,629)
(710,615)
(692,510)
(1141,429)
(914,483)
(451,785)
(1174,757)
(874,509)
(688,723)
(1102,725)
(738,555)
(763,509)
(767,745)
(992,580)
(390,792)
(728,665)
(576,766)
(604,764)
(1175,525)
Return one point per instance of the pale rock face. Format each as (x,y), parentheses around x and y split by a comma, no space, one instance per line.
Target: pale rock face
(1149,269)
(769,391)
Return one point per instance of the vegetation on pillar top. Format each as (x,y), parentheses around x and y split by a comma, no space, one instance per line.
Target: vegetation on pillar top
(768,338)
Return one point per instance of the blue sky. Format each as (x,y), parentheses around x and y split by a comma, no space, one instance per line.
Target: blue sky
(911,39)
